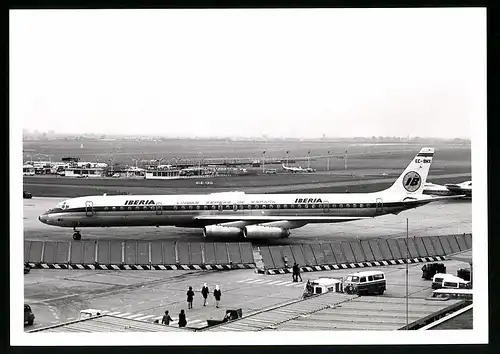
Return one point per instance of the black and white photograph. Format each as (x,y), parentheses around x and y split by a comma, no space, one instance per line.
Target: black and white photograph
(301,173)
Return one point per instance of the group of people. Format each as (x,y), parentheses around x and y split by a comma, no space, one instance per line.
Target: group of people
(190,296)
(204,292)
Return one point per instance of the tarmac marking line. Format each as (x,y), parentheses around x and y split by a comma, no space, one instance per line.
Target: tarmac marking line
(284,282)
(123,314)
(244,281)
(136,315)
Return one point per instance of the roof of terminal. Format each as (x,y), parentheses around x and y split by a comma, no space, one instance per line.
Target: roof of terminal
(335,311)
(106,323)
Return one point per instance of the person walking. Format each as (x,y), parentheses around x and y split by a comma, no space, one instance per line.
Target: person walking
(190,296)
(295,270)
(217,295)
(166,319)
(297,274)
(204,293)
(182,319)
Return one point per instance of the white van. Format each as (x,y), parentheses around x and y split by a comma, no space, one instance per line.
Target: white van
(449,281)
(453,282)
(321,286)
(363,283)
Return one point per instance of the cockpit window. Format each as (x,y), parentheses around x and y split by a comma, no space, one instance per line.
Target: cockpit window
(54,210)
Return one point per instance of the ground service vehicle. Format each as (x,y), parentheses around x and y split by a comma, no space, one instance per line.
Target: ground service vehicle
(29,317)
(445,294)
(364,283)
(453,282)
(449,281)
(231,315)
(429,270)
(27,195)
(464,273)
(89,313)
(321,286)
(437,280)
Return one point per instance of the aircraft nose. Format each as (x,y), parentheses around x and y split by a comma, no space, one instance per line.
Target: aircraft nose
(43,218)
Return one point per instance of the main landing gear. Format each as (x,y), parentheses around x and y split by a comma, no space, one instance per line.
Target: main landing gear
(76,235)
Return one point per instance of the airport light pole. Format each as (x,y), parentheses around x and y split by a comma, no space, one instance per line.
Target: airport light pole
(328,162)
(407,256)
(287,158)
(309,159)
(263,161)
(345,160)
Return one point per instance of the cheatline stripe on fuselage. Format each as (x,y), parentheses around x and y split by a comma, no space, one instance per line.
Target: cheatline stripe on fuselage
(231,207)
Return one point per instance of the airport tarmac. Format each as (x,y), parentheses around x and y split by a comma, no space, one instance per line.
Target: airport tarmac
(438,218)
(56,296)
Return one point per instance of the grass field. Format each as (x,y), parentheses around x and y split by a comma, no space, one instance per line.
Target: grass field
(365,163)
(125,151)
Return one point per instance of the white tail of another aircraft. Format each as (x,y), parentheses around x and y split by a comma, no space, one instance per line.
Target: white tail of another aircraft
(412,180)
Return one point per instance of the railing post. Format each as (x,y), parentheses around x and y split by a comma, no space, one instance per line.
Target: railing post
(43,252)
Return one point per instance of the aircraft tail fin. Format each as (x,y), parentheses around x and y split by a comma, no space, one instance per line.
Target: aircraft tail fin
(413,178)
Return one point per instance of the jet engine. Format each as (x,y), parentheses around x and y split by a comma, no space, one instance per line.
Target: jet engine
(256,231)
(221,231)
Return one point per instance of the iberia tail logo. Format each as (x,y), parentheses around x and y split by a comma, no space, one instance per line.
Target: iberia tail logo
(412,181)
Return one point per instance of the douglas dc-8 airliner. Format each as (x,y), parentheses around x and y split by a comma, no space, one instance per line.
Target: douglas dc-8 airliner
(240,215)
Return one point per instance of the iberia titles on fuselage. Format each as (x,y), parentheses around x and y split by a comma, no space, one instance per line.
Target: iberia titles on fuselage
(236,214)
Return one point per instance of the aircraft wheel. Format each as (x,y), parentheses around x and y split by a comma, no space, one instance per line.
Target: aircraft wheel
(77,236)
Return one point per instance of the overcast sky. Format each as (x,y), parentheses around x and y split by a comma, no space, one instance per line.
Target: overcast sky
(295,73)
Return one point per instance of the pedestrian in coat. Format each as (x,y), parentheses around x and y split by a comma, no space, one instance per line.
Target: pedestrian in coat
(190,296)
(182,319)
(204,293)
(295,271)
(297,275)
(217,295)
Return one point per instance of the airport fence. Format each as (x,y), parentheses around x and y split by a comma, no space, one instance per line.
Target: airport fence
(138,255)
(359,254)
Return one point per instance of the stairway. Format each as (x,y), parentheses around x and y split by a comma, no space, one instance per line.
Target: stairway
(260,267)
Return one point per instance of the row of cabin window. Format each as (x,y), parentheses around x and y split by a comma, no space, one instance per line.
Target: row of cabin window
(241,207)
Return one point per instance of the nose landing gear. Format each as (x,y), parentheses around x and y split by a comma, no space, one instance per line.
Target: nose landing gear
(76,235)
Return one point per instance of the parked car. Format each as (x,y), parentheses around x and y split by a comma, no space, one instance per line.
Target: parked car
(26,270)
(29,317)
(27,195)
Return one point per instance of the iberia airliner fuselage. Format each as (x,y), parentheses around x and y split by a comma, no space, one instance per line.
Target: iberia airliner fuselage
(236,214)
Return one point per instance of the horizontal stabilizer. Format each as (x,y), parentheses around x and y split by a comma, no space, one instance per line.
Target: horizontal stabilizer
(446,197)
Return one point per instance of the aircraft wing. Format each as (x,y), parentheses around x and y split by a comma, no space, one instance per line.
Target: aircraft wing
(265,218)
